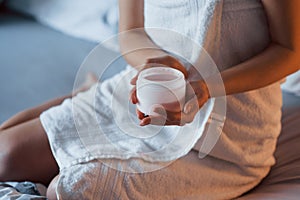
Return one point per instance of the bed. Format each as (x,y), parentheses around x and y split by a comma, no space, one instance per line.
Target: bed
(38,63)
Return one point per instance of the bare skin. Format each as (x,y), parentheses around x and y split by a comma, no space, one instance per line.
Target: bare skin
(24,149)
(35,112)
(282,56)
(30,157)
(278,60)
(26,158)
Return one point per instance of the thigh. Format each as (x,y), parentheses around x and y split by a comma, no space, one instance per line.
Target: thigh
(186,178)
(25,153)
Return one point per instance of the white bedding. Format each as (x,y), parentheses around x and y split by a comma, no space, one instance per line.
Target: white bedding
(8,191)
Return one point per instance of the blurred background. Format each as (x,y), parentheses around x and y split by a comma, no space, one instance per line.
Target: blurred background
(43,43)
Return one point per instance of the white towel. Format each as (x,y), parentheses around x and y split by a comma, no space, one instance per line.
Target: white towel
(241,157)
(101,123)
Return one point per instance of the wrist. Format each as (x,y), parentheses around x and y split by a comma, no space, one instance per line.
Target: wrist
(215,85)
(168,60)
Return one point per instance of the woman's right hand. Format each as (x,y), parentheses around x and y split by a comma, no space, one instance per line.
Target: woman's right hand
(163,61)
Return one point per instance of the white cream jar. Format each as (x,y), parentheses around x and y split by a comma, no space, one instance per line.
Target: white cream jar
(160,86)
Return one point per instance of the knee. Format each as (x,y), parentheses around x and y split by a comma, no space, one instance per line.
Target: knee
(3,126)
(51,191)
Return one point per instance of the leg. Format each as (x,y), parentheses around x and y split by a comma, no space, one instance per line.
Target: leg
(25,154)
(35,112)
(31,113)
(24,148)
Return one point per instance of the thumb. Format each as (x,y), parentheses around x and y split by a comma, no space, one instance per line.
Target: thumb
(191,105)
(132,96)
(133,80)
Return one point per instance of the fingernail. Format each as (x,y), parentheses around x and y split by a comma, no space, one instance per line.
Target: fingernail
(142,124)
(188,109)
(134,100)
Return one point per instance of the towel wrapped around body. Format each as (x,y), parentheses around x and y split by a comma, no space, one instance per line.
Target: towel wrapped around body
(232,31)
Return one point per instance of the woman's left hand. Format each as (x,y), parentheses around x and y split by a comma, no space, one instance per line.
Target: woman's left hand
(197,95)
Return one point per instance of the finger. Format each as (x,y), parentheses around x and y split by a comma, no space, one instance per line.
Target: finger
(191,105)
(190,92)
(174,123)
(159,110)
(157,120)
(169,123)
(188,118)
(201,102)
(140,114)
(158,62)
(160,120)
(145,121)
(134,79)
(174,116)
(133,96)
(170,116)
(190,110)
(180,121)
(159,117)
(181,68)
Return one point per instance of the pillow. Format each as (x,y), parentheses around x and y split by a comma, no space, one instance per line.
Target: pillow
(292,84)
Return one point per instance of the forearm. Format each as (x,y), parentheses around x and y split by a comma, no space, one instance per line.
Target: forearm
(270,66)
(135,44)
(137,47)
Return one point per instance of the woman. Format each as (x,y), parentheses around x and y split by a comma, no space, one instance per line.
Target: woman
(259,45)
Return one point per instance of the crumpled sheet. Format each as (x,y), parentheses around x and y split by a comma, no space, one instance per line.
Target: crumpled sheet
(22,191)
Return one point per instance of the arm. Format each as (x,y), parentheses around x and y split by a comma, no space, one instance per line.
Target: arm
(136,46)
(280,59)
(132,18)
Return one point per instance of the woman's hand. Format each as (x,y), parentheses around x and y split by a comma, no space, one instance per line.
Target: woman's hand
(165,61)
(197,95)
